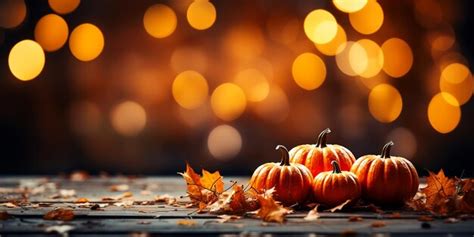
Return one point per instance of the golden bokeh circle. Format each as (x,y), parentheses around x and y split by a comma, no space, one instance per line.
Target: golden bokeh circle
(160,21)
(309,71)
(26,60)
(51,32)
(385,103)
(398,57)
(228,101)
(190,89)
(369,19)
(320,26)
(86,42)
(444,112)
(201,14)
(63,6)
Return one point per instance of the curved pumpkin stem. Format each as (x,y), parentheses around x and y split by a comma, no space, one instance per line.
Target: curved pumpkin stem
(285,157)
(321,143)
(386,150)
(335,167)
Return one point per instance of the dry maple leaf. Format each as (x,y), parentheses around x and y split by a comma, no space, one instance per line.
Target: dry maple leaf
(231,202)
(313,214)
(212,181)
(60,214)
(440,192)
(186,222)
(270,210)
(340,206)
(465,202)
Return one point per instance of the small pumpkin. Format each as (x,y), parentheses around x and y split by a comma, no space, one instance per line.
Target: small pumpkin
(318,157)
(292,182)
(385,179)
(335,187)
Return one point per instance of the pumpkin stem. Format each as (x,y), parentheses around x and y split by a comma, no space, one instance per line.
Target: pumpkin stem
(285,157)
(321,143)
(386,150)
(335,167)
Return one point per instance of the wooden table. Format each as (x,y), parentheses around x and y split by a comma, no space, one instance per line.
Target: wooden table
(141,216)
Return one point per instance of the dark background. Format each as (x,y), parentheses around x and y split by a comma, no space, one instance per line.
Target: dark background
(37,134)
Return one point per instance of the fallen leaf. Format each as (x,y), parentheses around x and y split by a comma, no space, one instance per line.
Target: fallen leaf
(193,183)
(82,200)
(170,200)
(355,218)
(270,210)
(4,215)
(60,229)
(212,181)
(339,207)
(377,224)
(226,218)
(125,203)
(313,214)
(60,214)
(231,202)
(425,218)
(119,188)
(440,191)
(187,222)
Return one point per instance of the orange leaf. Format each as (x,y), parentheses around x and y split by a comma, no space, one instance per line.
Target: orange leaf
(270,210)
(339,207)
(212,181)
(440,192)
(60,214)
(193,183)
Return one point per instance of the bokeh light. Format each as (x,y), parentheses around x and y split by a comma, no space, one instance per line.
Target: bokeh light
(333,47)
(405,141)
(160,21)
(456,79)
(349,6)
(189,58)
(51,32)
(343,58)
(309,71)
(12,13)
(398,57)
(254,84)
(128,118)
(358,58)
(369,19)
(26,60)
(224,142)
(320,26)
(190,89)
(228,101)
(371,65)
(201,14)
(86,42)
(276,107)
(385,103)
(244,42)
(444,113)
(63,6)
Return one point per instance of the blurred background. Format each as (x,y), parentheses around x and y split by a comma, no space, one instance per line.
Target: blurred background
(141,87)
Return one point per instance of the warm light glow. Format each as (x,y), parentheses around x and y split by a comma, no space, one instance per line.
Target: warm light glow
(349,6)
(189,58)
(128,118)
(64,6)
(320,26)
(405,140)
(254,84)
(374,60)
(86,42)
(444,113)
(369,19)
(201,14)
(275,108)
(160,21)
(244,42)
(456,79)
(385,103)
(228,101)
(190,89)
(358,58)
(333,47)
(12,13)
(309,71)
(343,58)
(51,32)
(224,142)
(398,57)
(26,60)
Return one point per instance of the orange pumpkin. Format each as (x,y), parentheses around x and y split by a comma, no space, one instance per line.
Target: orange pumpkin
(332,188)
(385,179)
(318,157)
(292,182)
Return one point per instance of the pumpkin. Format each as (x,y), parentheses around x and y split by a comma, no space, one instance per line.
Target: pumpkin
(292,182)
(335,187)
(386,180)
(318,157)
